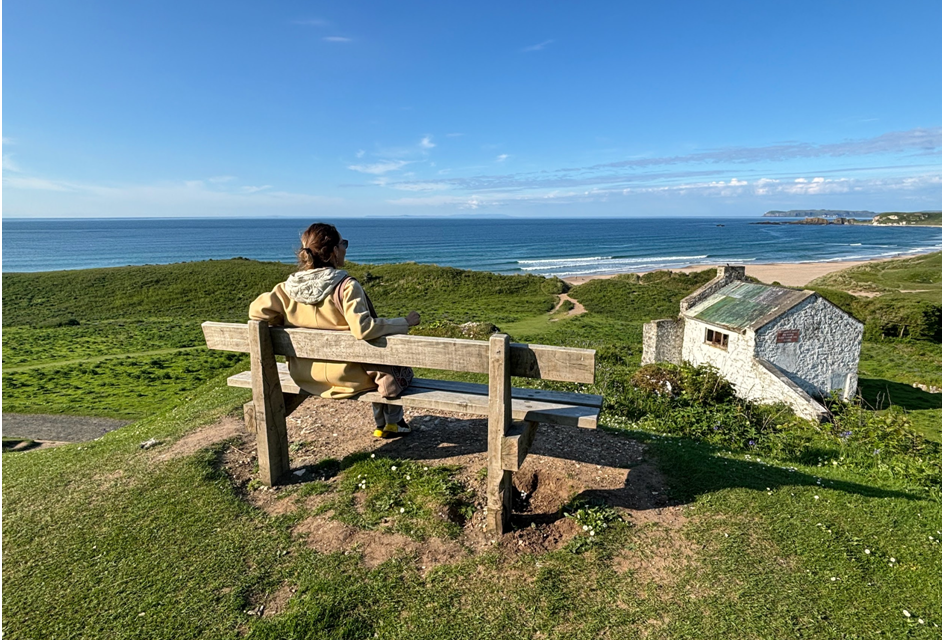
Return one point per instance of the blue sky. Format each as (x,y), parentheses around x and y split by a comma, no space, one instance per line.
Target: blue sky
(525,108)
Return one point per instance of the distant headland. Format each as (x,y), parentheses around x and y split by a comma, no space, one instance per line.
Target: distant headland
(888,218)
(819,213)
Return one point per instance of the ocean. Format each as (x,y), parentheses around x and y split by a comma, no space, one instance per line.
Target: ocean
(550,247)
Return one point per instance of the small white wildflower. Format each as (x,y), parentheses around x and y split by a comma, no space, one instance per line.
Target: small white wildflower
(393,468)
(591,533)
(586,528)
(402,509)
(373,455)
(867,552)
(816,497)
(408,477)
(425,468)
(920,621)
(833,579)
(891,559)
(906,612)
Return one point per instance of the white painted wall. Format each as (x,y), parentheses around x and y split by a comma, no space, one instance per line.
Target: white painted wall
(827,352)
(738,364)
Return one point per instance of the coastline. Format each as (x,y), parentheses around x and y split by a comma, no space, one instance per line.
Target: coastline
(789,274)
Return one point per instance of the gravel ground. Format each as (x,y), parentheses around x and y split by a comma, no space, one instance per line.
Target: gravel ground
(57,428)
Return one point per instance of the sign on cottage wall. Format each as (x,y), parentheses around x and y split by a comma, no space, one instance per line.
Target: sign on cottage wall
(788,335)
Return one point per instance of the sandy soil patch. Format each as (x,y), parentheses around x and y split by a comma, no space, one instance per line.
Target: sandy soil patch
(565,462)
(575,311)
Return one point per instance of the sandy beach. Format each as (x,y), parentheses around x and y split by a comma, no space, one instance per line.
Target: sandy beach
(787,274)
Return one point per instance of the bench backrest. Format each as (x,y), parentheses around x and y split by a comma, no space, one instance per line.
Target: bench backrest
(565,364)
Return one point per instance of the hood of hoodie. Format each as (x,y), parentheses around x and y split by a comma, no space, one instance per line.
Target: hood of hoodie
(314,285)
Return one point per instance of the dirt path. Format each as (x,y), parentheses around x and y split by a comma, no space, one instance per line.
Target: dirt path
(60,363)
(576,311)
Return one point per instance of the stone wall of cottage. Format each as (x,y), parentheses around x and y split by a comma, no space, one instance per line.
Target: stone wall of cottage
(662,341)
(825,356)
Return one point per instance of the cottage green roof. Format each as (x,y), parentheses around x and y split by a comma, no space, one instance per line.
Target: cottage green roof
(743,305)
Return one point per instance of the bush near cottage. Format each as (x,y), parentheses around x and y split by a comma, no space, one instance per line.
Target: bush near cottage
(698,403)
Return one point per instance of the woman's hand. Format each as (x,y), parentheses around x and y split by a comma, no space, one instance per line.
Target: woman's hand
(413,318)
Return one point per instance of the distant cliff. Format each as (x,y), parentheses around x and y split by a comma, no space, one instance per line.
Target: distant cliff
(819,213)
(907,219)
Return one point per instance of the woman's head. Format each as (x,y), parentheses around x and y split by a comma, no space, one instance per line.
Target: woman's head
(320,242)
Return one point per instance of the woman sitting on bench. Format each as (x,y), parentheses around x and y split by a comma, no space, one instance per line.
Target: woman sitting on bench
(322,296)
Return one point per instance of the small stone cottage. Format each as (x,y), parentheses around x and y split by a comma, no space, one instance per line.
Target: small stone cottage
(773,344)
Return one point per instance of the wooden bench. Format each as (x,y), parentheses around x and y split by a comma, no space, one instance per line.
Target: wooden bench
(513,413)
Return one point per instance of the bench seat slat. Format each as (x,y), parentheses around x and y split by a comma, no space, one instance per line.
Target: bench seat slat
(563,397)
(522,408)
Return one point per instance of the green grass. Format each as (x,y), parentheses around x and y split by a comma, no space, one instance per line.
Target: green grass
(920,275)
(121,342)
(755,556)
(102,541)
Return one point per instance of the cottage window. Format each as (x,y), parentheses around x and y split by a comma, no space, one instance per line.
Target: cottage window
(716,339)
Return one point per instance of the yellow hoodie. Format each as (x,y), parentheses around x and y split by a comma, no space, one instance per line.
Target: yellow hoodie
(305,300)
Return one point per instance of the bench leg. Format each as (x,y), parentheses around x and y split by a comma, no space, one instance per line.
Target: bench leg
(268,406)
(498,484)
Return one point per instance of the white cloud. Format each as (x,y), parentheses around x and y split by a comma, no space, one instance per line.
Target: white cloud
(35,184)
(221,179)
(249,189)
(537,47)
(427,142)
(379,168)
(9,164)
(501,158)
(421,186)
(337,39)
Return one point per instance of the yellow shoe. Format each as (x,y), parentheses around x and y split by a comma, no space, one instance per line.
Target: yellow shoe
(394,430)
(378,433)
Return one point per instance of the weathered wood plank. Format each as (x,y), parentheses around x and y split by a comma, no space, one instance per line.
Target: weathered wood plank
(564,364)
(467,388)
(429,398)
(542,395)
(268,406)
(498,483)
(517,443)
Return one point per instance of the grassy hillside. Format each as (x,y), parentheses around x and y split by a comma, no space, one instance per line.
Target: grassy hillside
(119,342)
(920,275)
(780,528)
(916,218)
(894,298)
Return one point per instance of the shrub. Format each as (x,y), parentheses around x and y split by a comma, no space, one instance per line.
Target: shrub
(701,385)
(659,378)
